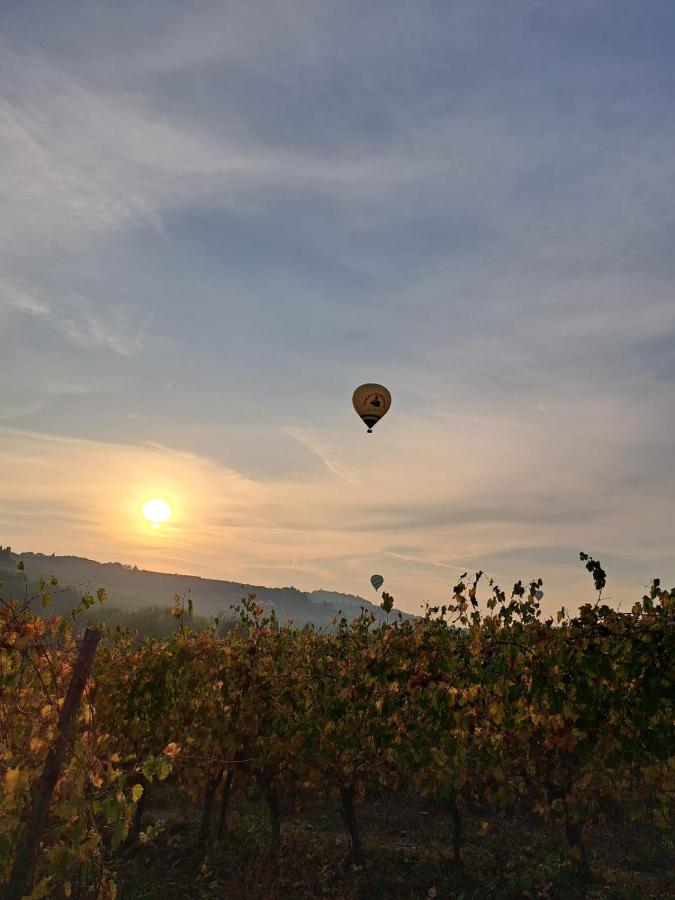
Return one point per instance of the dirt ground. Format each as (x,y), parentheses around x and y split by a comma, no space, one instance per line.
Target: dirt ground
(407,845)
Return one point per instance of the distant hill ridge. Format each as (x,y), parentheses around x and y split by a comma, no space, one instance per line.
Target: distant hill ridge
(131,588)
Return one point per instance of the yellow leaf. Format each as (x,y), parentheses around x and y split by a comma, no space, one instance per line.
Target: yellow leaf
(41,890)
(12,779)
(136,792)
(496,712)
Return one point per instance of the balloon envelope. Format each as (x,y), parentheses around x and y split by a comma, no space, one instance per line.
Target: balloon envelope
(371,402)
(377,581)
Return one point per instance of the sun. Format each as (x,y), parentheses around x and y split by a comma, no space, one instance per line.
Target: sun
(157,511)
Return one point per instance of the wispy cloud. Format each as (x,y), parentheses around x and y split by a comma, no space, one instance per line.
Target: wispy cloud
(80,321)
(13,298)
(118,330)
(406,557)
(329,455)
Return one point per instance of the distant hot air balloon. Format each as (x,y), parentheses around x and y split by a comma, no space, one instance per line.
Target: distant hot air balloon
(371,402)
(377,581)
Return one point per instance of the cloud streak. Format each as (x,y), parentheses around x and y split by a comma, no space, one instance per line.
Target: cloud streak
(80,322)
(325,452)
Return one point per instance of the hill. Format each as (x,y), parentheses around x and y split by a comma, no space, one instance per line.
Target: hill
(130,589)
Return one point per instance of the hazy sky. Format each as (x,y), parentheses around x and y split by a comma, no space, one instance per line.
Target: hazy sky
(218,218)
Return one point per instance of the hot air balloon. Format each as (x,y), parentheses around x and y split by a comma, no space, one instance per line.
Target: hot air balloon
(377,581)
(371,402)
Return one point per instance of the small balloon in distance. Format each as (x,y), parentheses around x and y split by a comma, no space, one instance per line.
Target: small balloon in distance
(377,581)
(371,402)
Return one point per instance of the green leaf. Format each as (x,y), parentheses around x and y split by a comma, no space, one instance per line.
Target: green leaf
(119,834)
(163,769)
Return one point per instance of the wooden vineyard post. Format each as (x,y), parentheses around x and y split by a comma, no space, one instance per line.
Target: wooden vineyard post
(28,844)
(355,856)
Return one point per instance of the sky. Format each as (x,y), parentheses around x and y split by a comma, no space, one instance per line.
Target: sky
(218,218)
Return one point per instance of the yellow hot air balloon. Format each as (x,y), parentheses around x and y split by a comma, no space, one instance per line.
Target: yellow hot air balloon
(371,402)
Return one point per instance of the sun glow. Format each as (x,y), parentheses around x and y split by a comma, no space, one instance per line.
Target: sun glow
(157,511)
